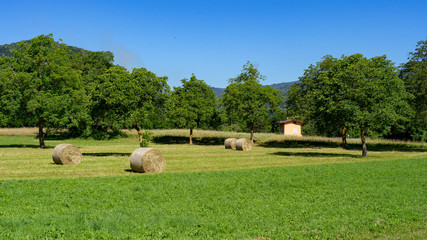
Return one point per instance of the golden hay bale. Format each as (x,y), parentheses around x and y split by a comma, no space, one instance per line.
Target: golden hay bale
(147,160)
(230,143)
(66,154)
(243,144)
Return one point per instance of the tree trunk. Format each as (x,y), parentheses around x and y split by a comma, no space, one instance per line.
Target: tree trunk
(191,135)
(362,137)
(41,134)
(138,129)
(252,132)
(344,136)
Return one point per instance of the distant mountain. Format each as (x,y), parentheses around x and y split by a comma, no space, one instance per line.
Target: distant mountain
(218,91)
(6,49)
(282,87)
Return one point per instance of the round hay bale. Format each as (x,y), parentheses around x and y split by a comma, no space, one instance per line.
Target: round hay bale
(230,143)
(243,144)
(66,154)
(147,160)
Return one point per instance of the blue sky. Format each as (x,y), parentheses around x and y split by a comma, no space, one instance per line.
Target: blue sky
(214,39)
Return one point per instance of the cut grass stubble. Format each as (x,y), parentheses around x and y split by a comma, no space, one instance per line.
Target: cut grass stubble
(20,157)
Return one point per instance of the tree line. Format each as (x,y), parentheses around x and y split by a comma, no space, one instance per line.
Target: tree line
(47,85)
(44,84)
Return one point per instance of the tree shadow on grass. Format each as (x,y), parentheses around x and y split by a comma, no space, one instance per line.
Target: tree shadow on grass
(57,137)
(315,154)
(386,147)
(186,140)
(23,146)
(104,154)
(400,147)
(299,144)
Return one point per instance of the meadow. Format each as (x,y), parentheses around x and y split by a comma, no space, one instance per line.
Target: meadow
(307,188)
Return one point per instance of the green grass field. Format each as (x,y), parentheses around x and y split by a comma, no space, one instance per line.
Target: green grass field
(284,188)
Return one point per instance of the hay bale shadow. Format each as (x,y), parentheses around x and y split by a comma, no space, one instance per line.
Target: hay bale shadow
(104,154)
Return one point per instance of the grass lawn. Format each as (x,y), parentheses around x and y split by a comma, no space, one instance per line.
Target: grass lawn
(283,188)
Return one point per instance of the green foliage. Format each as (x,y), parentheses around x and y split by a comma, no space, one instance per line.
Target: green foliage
(379,93)
(352,91)
(7,50)
(280,115)
(47,89)
(91,67)
(150,97)
(147,137)
(48,84)
(10,94)
(414,74)
(111,103)
(314,99)
(192,105)
(247,103)
(123,100)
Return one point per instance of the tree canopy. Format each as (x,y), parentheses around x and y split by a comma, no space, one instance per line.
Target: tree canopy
(46,89)
(414,74)
(351,91)
(192,105)
(150,94)
(112,100)
(247,102)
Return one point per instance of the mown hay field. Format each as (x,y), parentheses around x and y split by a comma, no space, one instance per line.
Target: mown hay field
(20,157)
(282,188)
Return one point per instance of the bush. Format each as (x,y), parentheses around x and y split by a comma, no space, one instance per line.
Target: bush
(147,137)
(420,135)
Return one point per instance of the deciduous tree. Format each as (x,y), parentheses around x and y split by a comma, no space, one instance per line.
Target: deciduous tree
(49,89)
(352,91)
(317,99)
(150,95)
(192,104)
(247,102)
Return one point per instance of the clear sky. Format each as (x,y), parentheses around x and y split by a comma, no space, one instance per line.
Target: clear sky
(214,38)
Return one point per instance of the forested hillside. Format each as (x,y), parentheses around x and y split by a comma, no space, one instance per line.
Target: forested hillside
(282,87)
(6,49)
